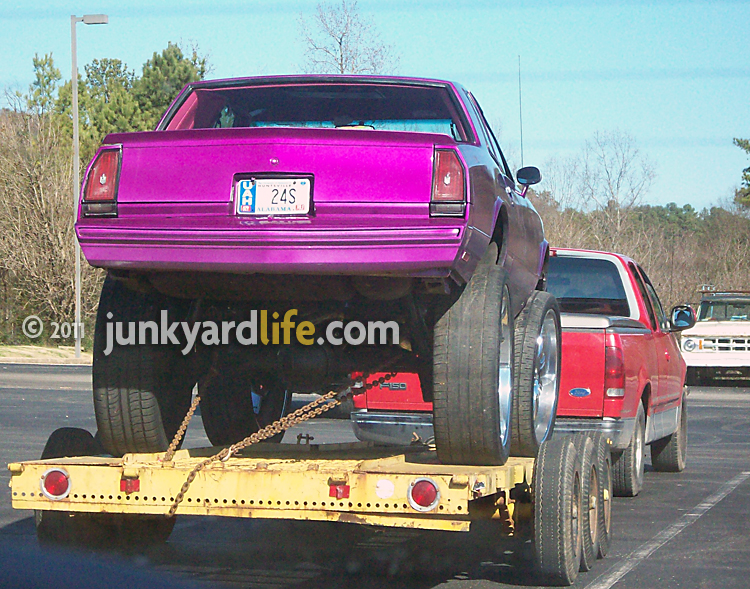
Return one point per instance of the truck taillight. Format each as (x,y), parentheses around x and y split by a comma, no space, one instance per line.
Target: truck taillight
(614,372)
(100,192)
(448,185)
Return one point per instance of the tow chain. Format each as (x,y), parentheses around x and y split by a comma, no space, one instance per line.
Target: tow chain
(317,407)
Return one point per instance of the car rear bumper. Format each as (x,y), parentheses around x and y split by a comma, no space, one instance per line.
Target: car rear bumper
(424,252)
(618,430)
(392,427)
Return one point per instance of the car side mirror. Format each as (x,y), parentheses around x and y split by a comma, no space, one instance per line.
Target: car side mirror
(683,317)
(528,176)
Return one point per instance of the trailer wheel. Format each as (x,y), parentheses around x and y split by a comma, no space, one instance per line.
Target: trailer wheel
(590,500)
(62,527)
(604,462)
(627,467)
(473,371)
(670,454)
(557,510)
(537,374)
(233,408)
(141,392)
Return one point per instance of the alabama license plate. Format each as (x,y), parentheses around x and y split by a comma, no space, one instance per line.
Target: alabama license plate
(261,196)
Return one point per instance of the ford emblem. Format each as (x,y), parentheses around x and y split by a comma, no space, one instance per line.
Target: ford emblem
(579,393)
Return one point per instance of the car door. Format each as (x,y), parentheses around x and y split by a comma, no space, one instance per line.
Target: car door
(670,372)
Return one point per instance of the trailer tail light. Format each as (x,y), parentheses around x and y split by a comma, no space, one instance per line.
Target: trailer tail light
(55,484)
(100,187)
(448,185)
(424,494)
(614,372)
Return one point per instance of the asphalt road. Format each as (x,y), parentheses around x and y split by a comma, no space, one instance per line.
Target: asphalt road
(684,530)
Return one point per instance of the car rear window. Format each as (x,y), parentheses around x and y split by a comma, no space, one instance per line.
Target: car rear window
(586,285)
(387,107)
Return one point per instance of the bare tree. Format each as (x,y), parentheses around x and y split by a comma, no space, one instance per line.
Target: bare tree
(338,40)
(613,177)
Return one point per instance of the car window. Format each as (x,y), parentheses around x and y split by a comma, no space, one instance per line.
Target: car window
(587,285)
(489,137)
(380,107)
(726,310)
(639,280)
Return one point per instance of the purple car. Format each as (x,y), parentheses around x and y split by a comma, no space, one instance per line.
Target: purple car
(276,234)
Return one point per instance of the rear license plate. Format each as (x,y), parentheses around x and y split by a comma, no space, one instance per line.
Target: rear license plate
(287,196)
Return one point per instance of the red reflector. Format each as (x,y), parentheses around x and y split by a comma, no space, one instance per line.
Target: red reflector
(130,485)
(56,484)
(448,178)
(101,184)
(339,491)
(424,493)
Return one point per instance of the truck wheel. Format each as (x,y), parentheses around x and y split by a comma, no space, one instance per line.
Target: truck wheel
(627,467)
(590,500)
(63,527)
(473,372)
(670,454)
(233,408)
(604,463)
(537,374)
(557,507)
(141,392)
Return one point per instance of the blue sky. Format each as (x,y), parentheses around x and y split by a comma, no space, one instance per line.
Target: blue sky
(673,74)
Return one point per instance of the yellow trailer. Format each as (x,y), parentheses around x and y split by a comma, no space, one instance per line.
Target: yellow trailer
(561,499)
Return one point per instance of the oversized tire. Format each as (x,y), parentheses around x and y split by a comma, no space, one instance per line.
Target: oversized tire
(627,466)
(670,454)
(590,500)
(141,392)
(557,496)
(537,364)
(473,372)
(604,461)
(233,408)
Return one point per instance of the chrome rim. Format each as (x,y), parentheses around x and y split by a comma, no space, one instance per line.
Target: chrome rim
(546,376)
(607,495)
(505,369)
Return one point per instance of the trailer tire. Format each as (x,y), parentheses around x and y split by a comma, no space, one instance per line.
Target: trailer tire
(228,410)
(627,466)
(604,462)
(473,371)
(537,362)
(141,392)
(63,527)
(557,507)
(670,454)
(590,500)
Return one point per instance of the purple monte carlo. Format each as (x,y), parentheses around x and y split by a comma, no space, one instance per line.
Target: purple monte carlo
(345,198)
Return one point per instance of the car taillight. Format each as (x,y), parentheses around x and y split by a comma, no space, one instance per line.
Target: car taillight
(424,494)
(614,372)
(55,484)
(448,185)
(100,192)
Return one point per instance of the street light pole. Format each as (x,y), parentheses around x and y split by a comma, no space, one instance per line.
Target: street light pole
(89,19)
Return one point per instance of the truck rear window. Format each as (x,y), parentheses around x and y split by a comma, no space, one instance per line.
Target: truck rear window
(585,285)
(387,107)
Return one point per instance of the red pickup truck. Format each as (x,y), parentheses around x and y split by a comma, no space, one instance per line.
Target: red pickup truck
(622,372)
